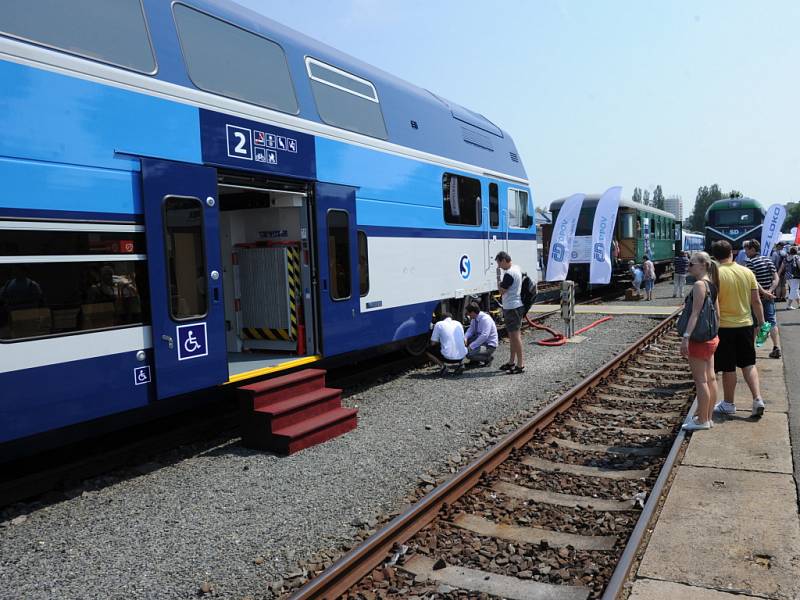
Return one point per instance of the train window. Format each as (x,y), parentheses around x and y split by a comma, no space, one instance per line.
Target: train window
(494,206)
(627,226)
(111,32)
(211,46)
(462,200)
(186,261)
(518,215)
(68,278)
(339,254)
(363,264)
(344,100)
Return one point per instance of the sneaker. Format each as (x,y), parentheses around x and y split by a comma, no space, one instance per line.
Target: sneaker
(776,353)
(791,308)
(726,408)
(697,421)
(696,426)
(758,408)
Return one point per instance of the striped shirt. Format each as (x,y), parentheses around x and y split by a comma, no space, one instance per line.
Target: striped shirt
(763,269)
(681,265)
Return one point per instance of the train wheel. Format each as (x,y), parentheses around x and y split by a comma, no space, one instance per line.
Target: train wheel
(416,346)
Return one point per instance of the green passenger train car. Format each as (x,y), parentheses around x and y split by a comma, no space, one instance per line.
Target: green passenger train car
(639,230)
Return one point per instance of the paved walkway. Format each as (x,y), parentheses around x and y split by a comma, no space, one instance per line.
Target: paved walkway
(730,529)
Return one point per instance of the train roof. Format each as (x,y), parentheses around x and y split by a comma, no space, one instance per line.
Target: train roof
(443,128)
(735,203)
(591,200)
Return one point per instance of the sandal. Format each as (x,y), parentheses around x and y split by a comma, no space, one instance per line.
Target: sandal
(507,366)
(515,370)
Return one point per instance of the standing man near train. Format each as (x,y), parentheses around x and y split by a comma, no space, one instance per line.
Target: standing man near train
(510,286)
(767,278)
(739,299)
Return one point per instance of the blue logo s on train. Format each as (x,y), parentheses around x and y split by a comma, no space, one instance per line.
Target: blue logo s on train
(465,266)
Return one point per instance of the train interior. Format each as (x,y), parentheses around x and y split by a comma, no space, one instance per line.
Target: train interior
(265,256)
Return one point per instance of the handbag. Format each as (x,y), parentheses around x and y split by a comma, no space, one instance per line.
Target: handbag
(707,325)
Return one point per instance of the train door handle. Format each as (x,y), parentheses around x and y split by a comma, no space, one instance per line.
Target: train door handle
(169,340)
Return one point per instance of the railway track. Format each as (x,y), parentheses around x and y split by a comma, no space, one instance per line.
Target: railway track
(556,510)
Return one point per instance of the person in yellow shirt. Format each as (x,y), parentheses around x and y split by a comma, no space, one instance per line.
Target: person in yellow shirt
(739,300)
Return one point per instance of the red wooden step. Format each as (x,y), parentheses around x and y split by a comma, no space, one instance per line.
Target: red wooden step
(293,410)
(315,430)
(264,393)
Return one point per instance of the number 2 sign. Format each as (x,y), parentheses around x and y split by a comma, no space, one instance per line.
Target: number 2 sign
(240,142)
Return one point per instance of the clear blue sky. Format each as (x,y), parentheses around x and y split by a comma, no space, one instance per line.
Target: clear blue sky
(599,93)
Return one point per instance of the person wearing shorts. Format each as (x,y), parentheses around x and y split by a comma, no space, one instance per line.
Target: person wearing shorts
(701,354)
(649,277)
(767,277)
(510,286)
(739,299)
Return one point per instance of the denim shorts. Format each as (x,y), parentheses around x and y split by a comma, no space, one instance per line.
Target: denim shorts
(769,311)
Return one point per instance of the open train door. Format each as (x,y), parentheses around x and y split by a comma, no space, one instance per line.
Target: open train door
(183,261)
(337,268)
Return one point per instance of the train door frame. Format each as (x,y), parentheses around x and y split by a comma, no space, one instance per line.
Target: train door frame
(273,193)
(188,346)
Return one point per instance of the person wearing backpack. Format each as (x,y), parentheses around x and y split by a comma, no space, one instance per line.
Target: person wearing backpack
(700,338)
(510,286)
(793,277)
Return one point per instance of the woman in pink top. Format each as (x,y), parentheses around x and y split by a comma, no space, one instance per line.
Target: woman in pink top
(649,277)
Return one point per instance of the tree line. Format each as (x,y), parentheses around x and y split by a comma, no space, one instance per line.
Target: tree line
(643,197)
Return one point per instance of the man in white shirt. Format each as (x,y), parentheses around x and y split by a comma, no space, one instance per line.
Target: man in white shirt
(481,336)
(447,341)
(510,286)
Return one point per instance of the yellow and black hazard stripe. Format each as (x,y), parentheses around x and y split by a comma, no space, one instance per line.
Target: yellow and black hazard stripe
(264,333)
(293,266)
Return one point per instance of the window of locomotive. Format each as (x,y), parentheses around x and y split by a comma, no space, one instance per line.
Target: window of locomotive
(338,224)
(518,209)
(345,100)
(627,226)
(461,200)
(184,246)
(210,46)
(363,265)
(114,33)
(733,217)
(494,206)
(585,221)
(60,279)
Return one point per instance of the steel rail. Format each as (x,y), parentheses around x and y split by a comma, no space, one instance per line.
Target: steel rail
(359,562)
(620,575)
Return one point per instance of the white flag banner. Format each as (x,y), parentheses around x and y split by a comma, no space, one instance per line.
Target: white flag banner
(771,229)
(605,216)
(563,235)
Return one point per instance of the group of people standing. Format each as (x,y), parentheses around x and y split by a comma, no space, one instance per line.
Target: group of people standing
(644,276)
(742,299)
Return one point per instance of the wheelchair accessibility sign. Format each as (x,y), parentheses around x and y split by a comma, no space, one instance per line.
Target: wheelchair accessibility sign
(141,375)
(192,341)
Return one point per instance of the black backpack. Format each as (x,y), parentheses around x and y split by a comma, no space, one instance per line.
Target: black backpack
(527,292)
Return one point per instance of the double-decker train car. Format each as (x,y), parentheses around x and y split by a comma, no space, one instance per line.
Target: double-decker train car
(640,230)
(734,220)
(195,195)
(692,242)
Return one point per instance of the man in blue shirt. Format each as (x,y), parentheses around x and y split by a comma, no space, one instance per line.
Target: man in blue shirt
(481,336)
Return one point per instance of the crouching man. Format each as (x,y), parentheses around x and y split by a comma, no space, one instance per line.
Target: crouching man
(447,344)
(481,336)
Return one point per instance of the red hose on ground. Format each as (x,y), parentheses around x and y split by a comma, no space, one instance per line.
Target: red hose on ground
(558,339)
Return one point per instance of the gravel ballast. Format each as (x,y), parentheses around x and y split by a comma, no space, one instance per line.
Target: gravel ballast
(226,522)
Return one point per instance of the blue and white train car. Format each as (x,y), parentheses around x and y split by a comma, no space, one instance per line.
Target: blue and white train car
(692,242)
(195,195)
